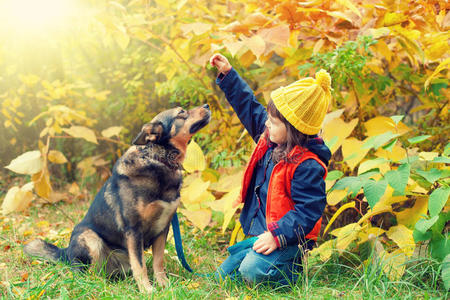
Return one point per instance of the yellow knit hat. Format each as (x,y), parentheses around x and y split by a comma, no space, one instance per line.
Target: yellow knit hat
(304,103)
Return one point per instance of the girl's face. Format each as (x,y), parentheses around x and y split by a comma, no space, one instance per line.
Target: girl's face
(277,130)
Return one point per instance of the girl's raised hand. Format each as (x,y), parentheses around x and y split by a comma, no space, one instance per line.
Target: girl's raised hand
(221,63)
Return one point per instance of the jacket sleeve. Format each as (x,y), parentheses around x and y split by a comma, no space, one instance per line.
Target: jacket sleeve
(309,197)
(252,114)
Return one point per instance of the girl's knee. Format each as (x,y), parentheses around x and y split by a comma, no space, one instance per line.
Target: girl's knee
(255,268)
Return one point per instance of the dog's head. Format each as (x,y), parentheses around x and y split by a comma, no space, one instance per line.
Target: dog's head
(174,126)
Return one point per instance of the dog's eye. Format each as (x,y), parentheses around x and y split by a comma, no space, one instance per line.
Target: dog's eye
(182,114)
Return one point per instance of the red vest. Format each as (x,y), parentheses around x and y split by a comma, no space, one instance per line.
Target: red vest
(279,200)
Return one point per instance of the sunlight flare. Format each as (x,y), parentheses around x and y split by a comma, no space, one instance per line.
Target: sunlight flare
(32,15)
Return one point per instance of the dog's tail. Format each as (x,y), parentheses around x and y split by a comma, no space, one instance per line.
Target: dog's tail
(42,249)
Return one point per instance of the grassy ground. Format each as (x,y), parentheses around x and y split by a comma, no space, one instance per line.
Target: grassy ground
(22,277)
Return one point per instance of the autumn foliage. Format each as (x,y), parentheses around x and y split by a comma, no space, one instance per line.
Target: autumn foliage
(71,105)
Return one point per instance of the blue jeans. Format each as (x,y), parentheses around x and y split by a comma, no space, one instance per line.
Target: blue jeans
(282,266)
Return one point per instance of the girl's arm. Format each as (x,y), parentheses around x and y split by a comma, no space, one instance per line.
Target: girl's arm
(251,113)
(309,197)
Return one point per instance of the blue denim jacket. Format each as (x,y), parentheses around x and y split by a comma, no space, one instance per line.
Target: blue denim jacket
(307,187)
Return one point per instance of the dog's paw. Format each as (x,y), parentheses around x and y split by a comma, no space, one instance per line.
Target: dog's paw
(161,279)
(146,288)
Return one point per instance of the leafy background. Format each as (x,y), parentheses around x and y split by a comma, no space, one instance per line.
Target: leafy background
(74,95)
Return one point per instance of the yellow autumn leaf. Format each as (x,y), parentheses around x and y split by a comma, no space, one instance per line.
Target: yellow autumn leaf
(236,27)
(353,151)
(121,37)
(318,45)
(42,184)
(415,187)
(112,131)
(403,237)
(332,115)
(442,66)
(233,47)
(372,231)
(27,163)
(100,96)
(197,28)
(324,251)
(229,210)
(234,233)
(191,192)
(388,199)
(336,131)
(87,166)
(382,48)
(74,189)
(392,18)
(210,175)
(381,124)
(436,45)
(56,197)
(82,132)
(247,59)
(336,196)
(200,218)
(202,200)
(369,164)
(348,4)
(347,235)
(378,209)
(337,213)
(396,154)
(376,67)
(56,157)
(17,198)
(428,155)
(278,35)
(217,205)
(436,50)
(228,182)
(410,216)
(329,184)
(257,19)
(394,264)
(256,44)
(195,159)
(240,236)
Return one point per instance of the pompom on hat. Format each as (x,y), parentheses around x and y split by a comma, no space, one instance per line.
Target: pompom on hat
(305,102)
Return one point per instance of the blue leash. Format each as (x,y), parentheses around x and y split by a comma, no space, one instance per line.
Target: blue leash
(179,244)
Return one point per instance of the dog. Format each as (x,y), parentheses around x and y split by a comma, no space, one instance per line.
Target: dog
(133,209)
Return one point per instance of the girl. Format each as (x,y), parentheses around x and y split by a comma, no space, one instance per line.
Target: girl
(284,184)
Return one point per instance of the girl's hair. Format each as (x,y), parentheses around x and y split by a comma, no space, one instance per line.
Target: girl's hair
(294,137)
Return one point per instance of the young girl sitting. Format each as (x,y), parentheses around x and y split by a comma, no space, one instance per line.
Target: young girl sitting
(284,184)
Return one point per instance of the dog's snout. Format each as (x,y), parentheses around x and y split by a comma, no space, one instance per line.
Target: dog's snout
(206,106)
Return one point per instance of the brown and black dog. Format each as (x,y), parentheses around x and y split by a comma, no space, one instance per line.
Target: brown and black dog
(133,209)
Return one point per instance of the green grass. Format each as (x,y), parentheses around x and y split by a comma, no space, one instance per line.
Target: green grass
(23,277)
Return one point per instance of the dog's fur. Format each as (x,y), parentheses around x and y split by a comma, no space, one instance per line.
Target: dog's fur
(133,209)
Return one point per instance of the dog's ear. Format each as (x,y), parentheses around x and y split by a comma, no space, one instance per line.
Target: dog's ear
(150,132)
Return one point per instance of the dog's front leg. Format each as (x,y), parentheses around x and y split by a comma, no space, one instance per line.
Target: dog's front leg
(158,258)
(137,261)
